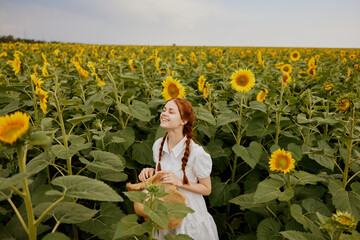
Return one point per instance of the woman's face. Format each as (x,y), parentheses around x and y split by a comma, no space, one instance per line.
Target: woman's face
(170,117)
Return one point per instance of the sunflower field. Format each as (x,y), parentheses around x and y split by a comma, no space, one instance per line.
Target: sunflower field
(77,122)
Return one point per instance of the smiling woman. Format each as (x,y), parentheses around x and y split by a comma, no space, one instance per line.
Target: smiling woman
(186,165)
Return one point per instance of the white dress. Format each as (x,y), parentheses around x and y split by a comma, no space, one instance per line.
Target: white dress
(199,225)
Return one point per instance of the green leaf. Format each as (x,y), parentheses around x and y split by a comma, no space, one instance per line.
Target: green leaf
(215,149)
(308,224)
(137,109)
(128,227)
(40,138)
(177,210)
(267,190)
(308,178)
(296,235)
(205,115)
(104,223)
(55,236)
(250,155)
(136,196)
(142,152)
(12,106)
(61,152)
(226,118)
(208,130)
(39,162)
(286,195)
(82,118)
(86,188)
(312,205)
(13,180)
(246,201)
(69,212)
(120,148)
(268,229)
(106,160)
(222,192)
(345,200)
(256,105)
(159,214)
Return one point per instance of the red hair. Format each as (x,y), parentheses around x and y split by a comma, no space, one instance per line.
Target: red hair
(187,115)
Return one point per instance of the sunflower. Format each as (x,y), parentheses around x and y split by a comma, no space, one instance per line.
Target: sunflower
(172,89)
(131,65)
(44,70)
(352,57)
(13,126)
(261,95)
(43,95)
(295,55)
(281,161)
(344,104)
(328,87)
(16,63)
(344,220)
(311,71)
(37,81)
(311,63)
(209,65)
(356,66)
(206,90)
(201,82)
(285,79)
(242,80)
(286,68)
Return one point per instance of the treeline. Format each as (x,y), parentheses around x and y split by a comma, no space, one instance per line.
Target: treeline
(10,38)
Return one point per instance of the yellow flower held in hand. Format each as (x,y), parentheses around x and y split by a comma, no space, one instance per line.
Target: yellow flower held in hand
(242,80)
(13,126)
(281,161)
(172,89)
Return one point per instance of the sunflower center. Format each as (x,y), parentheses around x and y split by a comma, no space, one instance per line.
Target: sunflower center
(286,69)
(282,162)
(242,80)
(11,130)
(295,55)
(345,220)
(173,90)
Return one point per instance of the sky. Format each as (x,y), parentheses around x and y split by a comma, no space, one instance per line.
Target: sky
(257,23)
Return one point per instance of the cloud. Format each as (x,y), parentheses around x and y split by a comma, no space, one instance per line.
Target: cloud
(186,22)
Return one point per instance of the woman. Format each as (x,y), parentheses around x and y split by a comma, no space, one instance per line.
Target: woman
(187,166)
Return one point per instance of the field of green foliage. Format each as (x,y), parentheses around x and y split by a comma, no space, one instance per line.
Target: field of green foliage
(77,122)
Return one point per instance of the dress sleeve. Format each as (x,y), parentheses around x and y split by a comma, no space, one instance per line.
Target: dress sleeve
(155,150)
(202,163)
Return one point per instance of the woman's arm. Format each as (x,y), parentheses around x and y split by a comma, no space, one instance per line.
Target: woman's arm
(203,187)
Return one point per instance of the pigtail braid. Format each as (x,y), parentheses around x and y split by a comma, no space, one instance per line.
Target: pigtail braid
(188,133)
(160,152)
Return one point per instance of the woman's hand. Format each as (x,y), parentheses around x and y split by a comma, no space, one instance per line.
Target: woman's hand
(170,177)
(146,173)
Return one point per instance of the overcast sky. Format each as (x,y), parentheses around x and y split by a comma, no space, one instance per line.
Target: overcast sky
(276,23)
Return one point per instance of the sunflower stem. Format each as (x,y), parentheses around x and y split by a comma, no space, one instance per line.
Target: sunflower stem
(22,151)
(63,131)
(117,101)
(278,115)
(238,139)
(349,148)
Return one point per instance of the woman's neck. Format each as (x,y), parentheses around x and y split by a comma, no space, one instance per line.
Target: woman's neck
(174,138)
